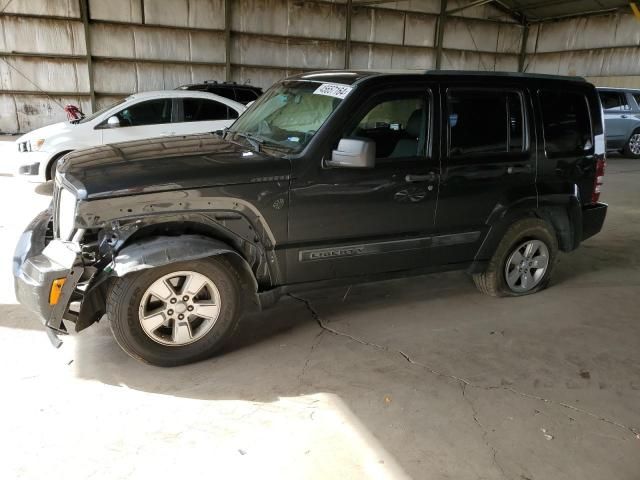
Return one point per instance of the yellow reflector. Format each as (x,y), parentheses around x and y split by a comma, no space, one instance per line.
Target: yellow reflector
(56,288)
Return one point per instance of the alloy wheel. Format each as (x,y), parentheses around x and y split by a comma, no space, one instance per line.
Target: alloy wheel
(526,266)
(634,144)
(179,308)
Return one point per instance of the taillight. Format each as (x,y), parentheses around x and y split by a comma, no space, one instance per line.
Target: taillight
(598,181)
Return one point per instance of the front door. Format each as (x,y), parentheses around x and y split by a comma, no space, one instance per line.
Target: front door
(358,221)
(146,119)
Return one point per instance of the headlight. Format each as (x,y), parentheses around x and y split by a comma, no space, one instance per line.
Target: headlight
(36,144)
(66,214)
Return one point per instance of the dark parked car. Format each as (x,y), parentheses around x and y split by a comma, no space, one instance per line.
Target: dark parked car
(241,93)
(622,120)
(327,179)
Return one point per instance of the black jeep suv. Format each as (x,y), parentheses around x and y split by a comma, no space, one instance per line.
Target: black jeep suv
(335,177)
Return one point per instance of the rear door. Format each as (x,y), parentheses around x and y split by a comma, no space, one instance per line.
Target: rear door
(489,163)
(617,118)
(201,115)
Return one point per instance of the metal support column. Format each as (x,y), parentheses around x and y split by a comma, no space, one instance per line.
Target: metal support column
(84,13)
(347,36)
(440,32)
(523,47)
(227,40)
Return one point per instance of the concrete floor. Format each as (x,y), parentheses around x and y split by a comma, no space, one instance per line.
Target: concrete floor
(421,378)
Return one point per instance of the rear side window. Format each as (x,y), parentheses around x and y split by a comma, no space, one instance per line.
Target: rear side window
(245,95)
(636,96)
(614,101)
(485,122)
(566,123)
(202,110)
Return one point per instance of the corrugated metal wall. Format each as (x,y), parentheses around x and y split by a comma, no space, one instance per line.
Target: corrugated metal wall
(604,48)
(138,45)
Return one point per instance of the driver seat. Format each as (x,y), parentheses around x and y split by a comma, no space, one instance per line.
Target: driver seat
(408,147)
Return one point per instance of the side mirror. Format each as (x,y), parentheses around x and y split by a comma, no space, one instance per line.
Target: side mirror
(113,122)
(354,153)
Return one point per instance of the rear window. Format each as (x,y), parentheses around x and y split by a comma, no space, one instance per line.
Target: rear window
(614,101)
(485,122)
(566,123)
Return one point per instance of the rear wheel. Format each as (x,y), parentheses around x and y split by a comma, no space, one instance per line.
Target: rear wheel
(523,262)
(175,314)
(632,148)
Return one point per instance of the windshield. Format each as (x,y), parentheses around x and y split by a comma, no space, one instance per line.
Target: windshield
(289,114)
(90,117)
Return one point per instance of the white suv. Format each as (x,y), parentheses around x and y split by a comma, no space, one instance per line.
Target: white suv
(137,117)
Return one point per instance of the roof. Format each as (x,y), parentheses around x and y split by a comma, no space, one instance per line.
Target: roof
(619,89)
(351,77)
(183,93)
(541,10)
(471,73)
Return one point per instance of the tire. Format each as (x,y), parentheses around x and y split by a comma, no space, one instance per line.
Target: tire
(131,306)
(530,231)
(51,169)
(632,148)
(53,164)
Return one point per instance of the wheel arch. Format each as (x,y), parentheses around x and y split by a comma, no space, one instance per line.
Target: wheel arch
(563,213)
(157,251)
(53,159)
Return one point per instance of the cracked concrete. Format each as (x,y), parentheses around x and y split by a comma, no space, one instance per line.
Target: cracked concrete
(420,378)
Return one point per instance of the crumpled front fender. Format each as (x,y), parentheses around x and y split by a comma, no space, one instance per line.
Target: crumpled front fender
(164,250)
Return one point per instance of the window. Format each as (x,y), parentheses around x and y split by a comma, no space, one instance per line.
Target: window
(566,123)
(636,96)
(485,122)
(245,95)
(397,126)
(202,110)
(614,101)
(151,112)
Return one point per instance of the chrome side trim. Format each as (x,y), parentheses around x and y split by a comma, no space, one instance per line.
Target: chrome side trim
(391,246)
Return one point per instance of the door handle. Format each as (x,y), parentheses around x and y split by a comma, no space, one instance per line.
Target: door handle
(524,169)
(624,116)
(430,177)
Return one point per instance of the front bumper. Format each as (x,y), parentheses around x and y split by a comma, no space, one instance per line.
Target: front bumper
(32,165)
(36,264)
(592,219)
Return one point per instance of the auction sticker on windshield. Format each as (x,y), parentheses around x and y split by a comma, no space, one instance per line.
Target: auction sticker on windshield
(333,90)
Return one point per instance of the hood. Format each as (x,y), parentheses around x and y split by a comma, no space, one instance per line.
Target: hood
(46,132)
(167,163)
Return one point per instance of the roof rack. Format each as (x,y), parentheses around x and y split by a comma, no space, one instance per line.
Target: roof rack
(543,76)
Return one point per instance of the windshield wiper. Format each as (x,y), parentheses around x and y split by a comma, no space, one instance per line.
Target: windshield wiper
(255,142)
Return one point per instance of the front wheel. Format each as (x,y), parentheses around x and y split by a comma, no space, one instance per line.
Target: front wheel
(523,262)
(632,148)
(175,314)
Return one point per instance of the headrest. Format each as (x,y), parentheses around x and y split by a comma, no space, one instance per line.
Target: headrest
(414,124)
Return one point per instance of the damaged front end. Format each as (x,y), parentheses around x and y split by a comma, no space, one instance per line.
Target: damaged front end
(55,277)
